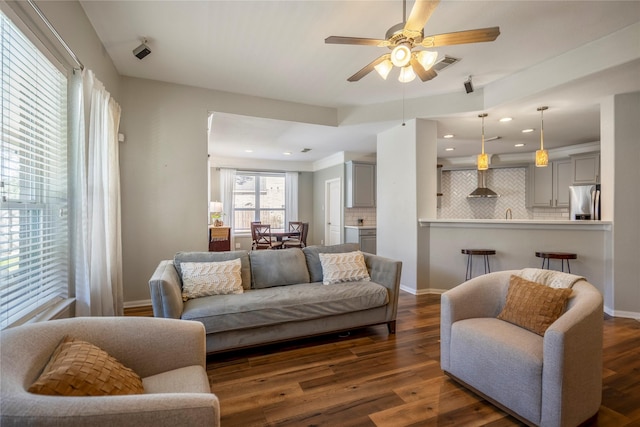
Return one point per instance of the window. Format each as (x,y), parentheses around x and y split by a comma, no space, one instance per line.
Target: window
(34,253)
(258,197)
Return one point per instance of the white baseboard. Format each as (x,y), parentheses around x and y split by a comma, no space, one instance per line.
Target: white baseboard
(140,303)
(620,313)
(413,291)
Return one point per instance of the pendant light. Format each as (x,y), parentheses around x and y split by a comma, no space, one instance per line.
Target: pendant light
(542,156)
(483,159)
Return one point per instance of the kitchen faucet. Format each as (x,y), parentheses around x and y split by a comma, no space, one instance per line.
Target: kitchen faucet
(508,214)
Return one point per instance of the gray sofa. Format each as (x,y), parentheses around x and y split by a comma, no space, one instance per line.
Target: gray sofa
(283,297)
(553,380)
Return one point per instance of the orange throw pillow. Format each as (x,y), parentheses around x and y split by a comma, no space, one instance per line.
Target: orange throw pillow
(533,306)
(79,368)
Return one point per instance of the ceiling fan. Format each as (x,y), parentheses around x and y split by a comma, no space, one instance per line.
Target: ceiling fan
(402,38)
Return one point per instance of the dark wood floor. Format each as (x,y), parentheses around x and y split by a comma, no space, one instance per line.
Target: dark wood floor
(370,378)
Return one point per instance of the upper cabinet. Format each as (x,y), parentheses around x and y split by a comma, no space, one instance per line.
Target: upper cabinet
(549,186)
(361,184)
(585,168)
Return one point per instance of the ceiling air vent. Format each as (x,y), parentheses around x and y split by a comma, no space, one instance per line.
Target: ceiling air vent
(445,62)
(305,150)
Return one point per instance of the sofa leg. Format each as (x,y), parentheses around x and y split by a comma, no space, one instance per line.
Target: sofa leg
(391,326)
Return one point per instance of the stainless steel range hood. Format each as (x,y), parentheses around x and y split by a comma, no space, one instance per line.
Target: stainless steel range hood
(482,190)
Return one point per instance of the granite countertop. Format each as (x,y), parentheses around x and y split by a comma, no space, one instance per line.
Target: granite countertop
(361,227)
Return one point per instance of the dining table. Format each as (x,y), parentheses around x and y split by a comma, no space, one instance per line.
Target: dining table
(280,234)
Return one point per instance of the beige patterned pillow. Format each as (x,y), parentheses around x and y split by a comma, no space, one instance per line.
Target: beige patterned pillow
(343,267)
(201,279)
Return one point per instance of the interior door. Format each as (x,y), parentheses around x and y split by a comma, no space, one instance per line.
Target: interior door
(333,217)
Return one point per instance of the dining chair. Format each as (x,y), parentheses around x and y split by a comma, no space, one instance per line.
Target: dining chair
(301,241)
(263,238)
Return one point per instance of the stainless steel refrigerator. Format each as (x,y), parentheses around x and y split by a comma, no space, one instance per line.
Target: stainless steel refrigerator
(584,202)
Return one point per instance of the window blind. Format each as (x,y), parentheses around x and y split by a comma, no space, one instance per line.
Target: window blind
(34,254)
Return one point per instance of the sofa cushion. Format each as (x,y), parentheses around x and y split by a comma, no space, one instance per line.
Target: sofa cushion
(181,257)
(312,256)
(278,268)
(511,356)
(201,279)
(79,368)
(343,267)
(533,306)
(269,306)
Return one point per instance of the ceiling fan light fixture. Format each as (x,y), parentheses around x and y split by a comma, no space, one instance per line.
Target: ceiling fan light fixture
(384,68)
(427,58)
(406,74)
(401,55)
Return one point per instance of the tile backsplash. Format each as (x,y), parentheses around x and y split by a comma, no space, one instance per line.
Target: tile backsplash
(509,183)
(351,216)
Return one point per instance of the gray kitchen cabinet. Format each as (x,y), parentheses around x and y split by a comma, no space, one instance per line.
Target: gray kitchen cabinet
(549,186)
(360,181)
(365,237)
(585,168)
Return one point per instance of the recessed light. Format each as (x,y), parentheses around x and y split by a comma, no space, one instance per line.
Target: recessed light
(506,119)
(248,151)
(519,145)
(449,135)
(287,153)
(527,130)
(449,149)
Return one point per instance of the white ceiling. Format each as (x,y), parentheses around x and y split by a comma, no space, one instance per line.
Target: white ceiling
(276,49)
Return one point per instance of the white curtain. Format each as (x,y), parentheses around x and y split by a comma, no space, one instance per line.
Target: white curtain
(227,183)
(98,251)
(291,196)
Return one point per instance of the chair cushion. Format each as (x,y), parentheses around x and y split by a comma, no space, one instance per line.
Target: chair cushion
(278,268)
(190,379)
(201,279)
(79,368)
(533,306)
(343,267)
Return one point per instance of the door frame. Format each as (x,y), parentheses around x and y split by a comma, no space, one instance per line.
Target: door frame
(327,213)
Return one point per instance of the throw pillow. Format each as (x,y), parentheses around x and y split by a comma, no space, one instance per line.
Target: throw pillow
(533,306)
(201,279)
(343,267)
(79,368)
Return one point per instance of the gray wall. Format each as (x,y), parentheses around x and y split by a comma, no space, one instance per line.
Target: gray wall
(316,228)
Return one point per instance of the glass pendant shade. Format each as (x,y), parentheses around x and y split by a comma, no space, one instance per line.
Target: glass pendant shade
(483,162)
(400,55)
(542,158)
(427,58)
(406,74)
(384,68)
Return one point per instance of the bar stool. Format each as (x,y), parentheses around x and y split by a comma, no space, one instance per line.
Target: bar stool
(546,256)
(470,253)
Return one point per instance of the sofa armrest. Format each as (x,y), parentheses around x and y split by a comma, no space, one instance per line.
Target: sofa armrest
(166,292)
(572,366)
(386,272)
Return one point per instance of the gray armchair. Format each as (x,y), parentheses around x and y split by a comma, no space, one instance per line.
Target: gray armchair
(552,380)
(168,354)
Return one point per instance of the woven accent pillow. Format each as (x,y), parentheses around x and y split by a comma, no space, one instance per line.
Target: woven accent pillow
(533,306)
(201,279)
(343,267)
(79,368)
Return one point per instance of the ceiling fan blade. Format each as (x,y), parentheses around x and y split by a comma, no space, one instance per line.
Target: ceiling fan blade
(353,40)
(425,75)
(420,14)
(368,68)
(462,37)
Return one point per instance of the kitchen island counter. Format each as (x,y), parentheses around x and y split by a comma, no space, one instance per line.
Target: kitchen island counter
(516,243)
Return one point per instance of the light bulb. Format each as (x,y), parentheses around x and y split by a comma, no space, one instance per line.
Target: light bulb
(400,55)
